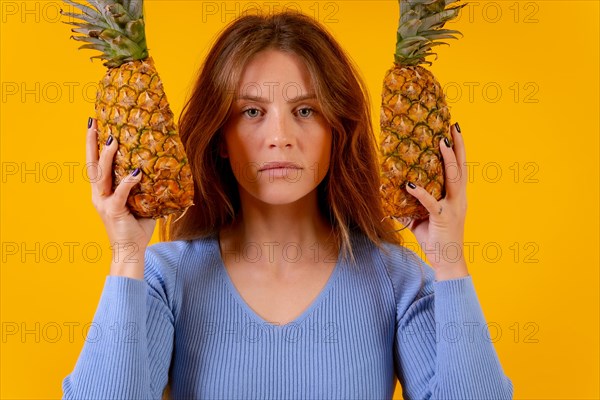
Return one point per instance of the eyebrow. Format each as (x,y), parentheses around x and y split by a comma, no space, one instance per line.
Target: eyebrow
(308,96)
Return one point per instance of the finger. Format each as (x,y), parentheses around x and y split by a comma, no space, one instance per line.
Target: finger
(452,170)
(91,141)
(91,148)
(105,179)
(460,152)
(426,199)
(124,187)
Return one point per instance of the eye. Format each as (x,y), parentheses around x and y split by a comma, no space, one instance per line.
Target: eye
(252,112)
(305,112)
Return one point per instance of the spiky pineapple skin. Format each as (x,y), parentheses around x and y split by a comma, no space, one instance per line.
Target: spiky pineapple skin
(132,106)
(414,118)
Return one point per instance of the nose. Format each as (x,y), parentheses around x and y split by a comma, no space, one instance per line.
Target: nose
(280,131)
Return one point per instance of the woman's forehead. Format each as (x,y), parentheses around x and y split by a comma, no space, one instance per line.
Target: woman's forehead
(266,92)
(275,67)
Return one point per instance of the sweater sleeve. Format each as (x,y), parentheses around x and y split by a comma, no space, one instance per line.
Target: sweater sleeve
(128,348)
(442,348)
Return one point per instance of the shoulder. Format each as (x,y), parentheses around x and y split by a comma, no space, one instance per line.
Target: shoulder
(410,277)
(174,253)
(164,260)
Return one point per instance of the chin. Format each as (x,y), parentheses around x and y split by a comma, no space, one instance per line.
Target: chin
(279,199)
(281,195)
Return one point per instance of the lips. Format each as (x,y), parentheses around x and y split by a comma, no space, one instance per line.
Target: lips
(279,164)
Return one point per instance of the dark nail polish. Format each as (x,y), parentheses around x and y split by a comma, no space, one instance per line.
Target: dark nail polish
(90,120)
(136,172)
(457,126)
(109,140)
(412,185)
(447,142)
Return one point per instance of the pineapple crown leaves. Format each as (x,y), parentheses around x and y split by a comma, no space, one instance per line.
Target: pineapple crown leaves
(420,29)
(113,27)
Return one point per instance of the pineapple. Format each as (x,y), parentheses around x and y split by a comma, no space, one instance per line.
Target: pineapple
(132,106)
(414,114)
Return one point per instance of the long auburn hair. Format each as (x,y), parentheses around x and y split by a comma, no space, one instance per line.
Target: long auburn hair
(348,196)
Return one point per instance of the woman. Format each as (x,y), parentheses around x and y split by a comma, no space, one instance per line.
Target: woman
(284,280)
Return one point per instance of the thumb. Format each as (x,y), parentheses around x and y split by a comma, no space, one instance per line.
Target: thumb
(124,187)
(424,197)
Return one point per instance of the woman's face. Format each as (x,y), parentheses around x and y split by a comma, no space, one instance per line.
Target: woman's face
(275,118)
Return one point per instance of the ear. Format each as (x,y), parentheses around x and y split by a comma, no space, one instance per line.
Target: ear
(223,150)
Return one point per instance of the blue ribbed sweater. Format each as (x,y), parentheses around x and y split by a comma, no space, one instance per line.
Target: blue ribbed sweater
(382,318)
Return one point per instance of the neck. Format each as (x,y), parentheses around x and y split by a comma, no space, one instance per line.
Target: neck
(287,235)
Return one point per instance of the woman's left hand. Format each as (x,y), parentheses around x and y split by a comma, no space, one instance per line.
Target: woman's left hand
(440,235)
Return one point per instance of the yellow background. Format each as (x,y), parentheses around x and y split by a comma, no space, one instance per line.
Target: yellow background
(532,117)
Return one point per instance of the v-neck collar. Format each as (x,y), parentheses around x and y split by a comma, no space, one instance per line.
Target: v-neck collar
(214,240)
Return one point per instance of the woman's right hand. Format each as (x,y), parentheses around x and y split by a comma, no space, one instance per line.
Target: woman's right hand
(129,236)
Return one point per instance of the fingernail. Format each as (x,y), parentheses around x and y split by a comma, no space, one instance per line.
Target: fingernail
(457,126)
(90,120)
(136,172)
(109,140)
(447,141)
(412,185)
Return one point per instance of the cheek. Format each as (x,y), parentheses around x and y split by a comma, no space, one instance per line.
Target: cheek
(242,159)
(323,159)
(327,146)
(237,147)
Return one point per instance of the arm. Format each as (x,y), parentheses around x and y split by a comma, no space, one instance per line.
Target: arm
(442,348)
(128,349)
